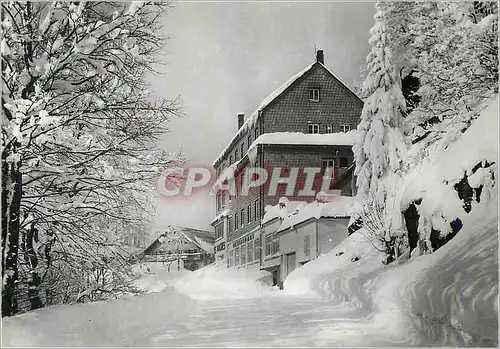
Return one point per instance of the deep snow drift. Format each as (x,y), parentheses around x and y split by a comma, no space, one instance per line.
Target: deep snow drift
(218,282)
(155,276)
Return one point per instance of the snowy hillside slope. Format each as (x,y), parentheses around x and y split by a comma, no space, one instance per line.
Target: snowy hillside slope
(449,297)
(434,178)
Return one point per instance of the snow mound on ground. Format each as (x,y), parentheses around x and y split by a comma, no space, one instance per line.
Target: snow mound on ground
(155,277)
(218,282)
(321,277)
(116,323)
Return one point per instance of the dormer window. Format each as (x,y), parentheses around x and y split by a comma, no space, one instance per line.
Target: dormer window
(314,94)
(345,128)
(313,128)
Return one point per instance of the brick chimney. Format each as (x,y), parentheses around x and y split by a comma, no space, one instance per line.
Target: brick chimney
(241,119)
(320,57)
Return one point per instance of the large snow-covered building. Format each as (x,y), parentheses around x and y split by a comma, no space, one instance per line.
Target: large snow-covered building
(308,122)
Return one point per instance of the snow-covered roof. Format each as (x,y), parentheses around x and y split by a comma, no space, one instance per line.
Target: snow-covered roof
(250,121)
(288,138)
(224,213)
(338,207)
(201,238)
(198,235)
(299,138)
(272,212)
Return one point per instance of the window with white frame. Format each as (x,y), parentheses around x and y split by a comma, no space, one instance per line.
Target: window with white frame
(249,213)
(327,163)
(250,252)
(257,249)
(219,231)
(329,128)
(345,128)
(236,226)
(276,246)
(243,255)
(307,246)
(237,256)
(269,242)
(313,128)
(237,187)
(256,210)
(327,168)
(223,199)
(242,216)
(314,94)
(230,258)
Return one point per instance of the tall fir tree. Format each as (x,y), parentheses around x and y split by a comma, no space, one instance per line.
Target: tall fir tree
(380,148)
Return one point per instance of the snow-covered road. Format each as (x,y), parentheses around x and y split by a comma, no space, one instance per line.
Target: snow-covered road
(265,322)
(169,319)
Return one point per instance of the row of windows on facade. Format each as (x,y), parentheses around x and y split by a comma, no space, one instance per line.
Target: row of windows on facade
(188,251)
(223,195)
(242,148)
(316,129)
(325,164)
(244,253)
(237,220)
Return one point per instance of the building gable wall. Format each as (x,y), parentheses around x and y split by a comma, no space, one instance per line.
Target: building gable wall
(292,110)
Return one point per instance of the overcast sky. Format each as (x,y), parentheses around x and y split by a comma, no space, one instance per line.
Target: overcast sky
(225,58)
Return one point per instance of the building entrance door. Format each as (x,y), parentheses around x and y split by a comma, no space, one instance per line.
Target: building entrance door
(290,263)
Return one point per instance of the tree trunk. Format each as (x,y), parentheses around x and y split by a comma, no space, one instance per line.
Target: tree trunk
(32,260)
(11,207)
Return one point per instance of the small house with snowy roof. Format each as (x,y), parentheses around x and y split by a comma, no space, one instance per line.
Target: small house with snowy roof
(312,229)
(190,248)
(308,122)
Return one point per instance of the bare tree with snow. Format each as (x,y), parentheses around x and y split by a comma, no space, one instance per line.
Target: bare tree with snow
(78,160)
